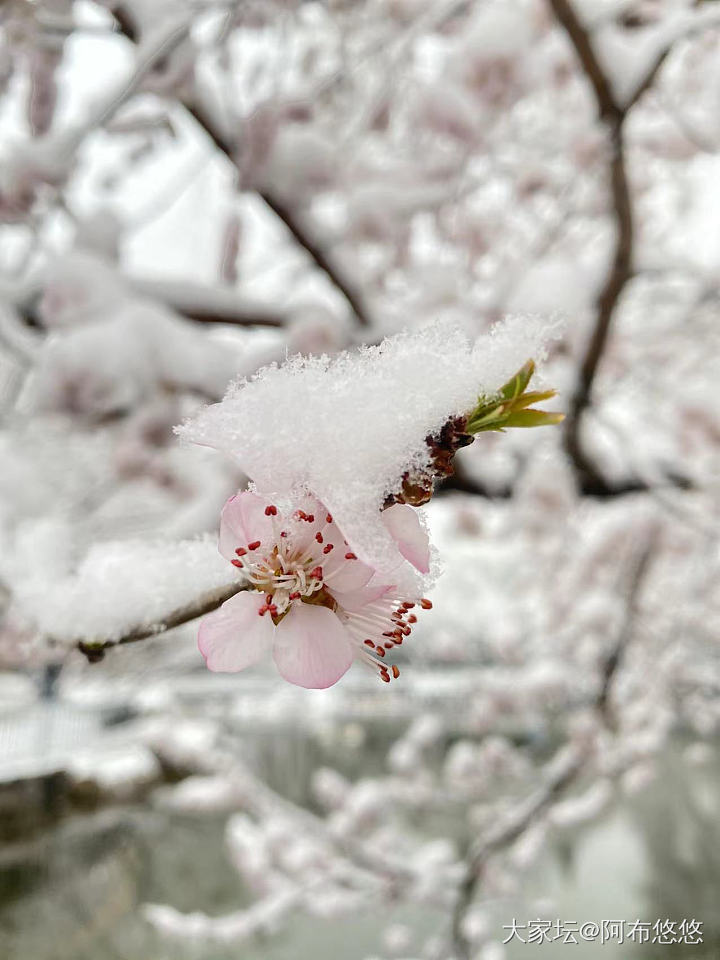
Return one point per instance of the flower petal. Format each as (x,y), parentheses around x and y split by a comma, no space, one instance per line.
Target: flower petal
(312,648)
(347,574)
(353,600)
(405,528)
(235,636)
(243,520)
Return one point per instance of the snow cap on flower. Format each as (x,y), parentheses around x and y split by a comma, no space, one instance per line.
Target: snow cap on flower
(347,428)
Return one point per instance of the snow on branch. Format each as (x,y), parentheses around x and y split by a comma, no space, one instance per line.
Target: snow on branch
(207,304)
(339,452)
(49,158)
(568,764)
(125,591)
(349,429)
(290,217)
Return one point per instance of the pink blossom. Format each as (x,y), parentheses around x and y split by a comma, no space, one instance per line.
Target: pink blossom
(310,601)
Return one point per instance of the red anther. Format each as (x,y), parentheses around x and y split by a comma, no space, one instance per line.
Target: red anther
(328,518)
(327,548)
(319,537)
(254,545)
(301,515)
(271,511)
(316,573)
(389,646)
(385,677)
(380,651)
(236,563)
(241,551)
(425,604)
(295,595)
(350,556)
(369,643)
(262,610)
(388,633)
(399,640)
(406,631)
(395,671)
(273,609)
(283,533)
(412,618)
(268,598)
(309,517)
(408,606)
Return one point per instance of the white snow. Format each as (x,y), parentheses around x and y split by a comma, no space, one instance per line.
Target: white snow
(118,586)
(347,428)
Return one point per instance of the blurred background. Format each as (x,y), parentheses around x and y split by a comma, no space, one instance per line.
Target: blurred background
(191,189)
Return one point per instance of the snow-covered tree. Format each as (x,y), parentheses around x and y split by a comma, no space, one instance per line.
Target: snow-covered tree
(329,242)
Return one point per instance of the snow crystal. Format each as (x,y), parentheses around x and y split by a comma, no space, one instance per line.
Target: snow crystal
(119,586)
(347,428)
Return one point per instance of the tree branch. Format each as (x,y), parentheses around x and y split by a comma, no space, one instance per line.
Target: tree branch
(621,270)
(205,604)
(635,581)
(208,304)
(580,39)
(600,489)
(614,116)
(566,766)
(289,217)
(285,213)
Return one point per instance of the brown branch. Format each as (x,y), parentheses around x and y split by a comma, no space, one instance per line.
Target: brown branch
(462,482)
(614,115)
(619,275)
(568,19)
(202,314)
(621,270)
(206,604)
(635,580)
(283,211)
(287,215)
(565,767)
(650,77)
